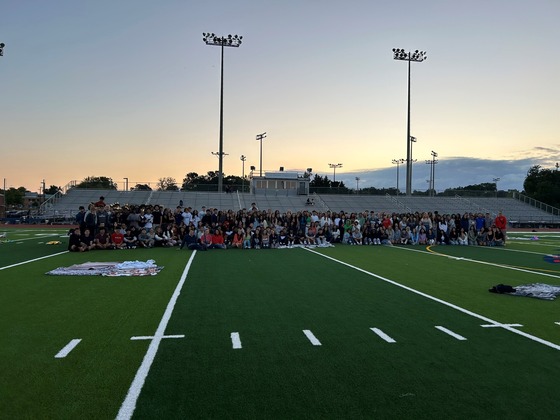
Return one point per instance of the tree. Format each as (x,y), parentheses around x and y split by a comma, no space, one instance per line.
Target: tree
(543,185)
(167,184)
(97,182)
(141,187)
(52,190)
(321,183)
(14,196)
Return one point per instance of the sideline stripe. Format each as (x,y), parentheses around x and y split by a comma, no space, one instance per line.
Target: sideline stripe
(451,333)
(312,338)
(443,302)
(129,404)
(539,272)
(235,340)
(33,260)
(68,348)
(383,335)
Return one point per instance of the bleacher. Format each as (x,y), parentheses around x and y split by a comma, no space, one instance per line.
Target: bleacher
(518,213)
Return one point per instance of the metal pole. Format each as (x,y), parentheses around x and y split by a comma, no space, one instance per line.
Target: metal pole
(398,163)
(408,144)
(243,159)
(223,41)
(221,148)
(417,56)
(260,138)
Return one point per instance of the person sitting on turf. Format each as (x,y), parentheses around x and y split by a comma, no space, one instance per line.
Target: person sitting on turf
(103,240)
(206,238)
(88,240)
(159,239)
(144,239)
(218,239)
(170,236)
(130,240)
(498,237)
(463,238)
(74,243)
(117,238)
(237,241)
(190,241)
(256,239)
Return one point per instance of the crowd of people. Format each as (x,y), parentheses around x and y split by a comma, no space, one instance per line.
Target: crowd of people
(145,226)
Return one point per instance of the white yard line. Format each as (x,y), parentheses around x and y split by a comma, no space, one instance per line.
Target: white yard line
(151,337)
(312,338)
(129,404)
(500,325)
(506,267)
(68,348)
(383,335)
(33,260)
(451,333)
(235,340)
(443,302)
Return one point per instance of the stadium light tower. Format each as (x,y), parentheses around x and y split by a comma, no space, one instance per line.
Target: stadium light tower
(243,159)
(221,41)
(333,166)
(433,163)
(496,182)
(416,56)
(398,162)
(260,138)
(357,185)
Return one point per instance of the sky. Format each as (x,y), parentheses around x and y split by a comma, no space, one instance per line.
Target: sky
(128,89)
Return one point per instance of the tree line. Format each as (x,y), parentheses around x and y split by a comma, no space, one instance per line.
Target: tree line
(541,184)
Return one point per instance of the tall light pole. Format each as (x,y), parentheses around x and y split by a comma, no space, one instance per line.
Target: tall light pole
(417,56)
(412,161)
(433,163)
(496,182)
(357,185)
(125,184)
(221,41)
(2,45)
(398,162)
(333,166)
(243,159)
(260,138)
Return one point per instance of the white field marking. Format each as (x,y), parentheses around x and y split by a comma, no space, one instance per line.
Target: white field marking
(67,348)
(129,404)
(151,337)
(312,338)
(501,325)
(33,260)
(32,239)
(557,323)
(383,335)
(451,333)
(443,302)
(507,267)
(235,340)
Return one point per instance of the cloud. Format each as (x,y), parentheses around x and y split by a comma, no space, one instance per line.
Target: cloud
(453,172)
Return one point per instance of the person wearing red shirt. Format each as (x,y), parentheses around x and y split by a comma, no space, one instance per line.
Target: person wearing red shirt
(218,239)
(501,222)
(117,238)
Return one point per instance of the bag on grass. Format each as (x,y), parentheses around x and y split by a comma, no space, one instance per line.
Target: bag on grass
(502,288)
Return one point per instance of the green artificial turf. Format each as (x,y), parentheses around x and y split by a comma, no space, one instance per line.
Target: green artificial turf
(269,297)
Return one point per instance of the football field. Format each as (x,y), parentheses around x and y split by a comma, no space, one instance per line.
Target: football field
(343,332)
